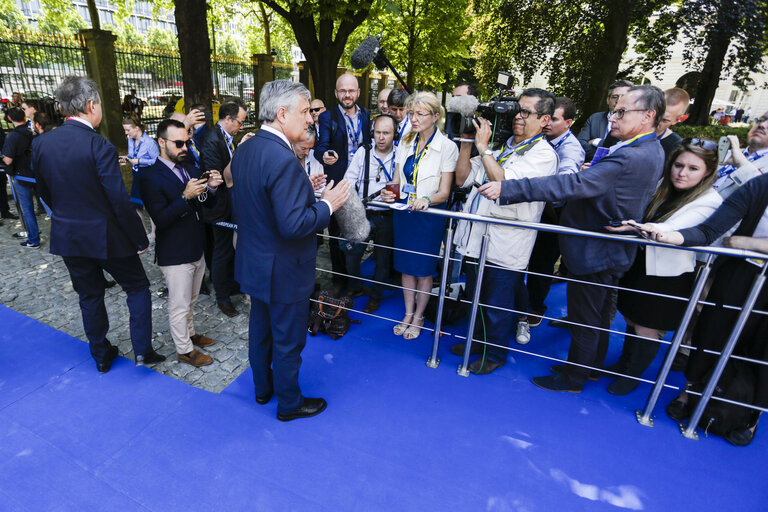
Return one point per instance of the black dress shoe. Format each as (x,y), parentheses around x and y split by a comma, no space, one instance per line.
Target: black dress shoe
(556,383)
(372,306)
(106,363)
(678,411)
(9,215)
(594,375)
(559,323)
(311,407)
(150,357)
(484,367)
(623,386)
(228,309)
(458,349)
(741,436)
(263,400)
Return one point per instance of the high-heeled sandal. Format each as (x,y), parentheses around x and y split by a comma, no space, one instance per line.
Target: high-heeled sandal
(414,331)
(400,328)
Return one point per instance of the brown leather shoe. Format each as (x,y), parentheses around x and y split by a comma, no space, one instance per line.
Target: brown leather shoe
(195,358)
(372,306)
(201,341)
(228,309)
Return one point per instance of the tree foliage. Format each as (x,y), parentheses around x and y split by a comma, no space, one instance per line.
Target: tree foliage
(577,45)
(10,14)
(59,17)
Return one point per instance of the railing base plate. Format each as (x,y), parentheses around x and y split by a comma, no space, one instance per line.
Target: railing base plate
(464,372)
(642,421)
(693,435)
(433,364)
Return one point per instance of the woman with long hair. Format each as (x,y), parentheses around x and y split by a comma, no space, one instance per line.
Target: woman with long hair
(425,164)
(683,199)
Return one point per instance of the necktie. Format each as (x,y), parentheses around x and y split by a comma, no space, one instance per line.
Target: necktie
(182,173)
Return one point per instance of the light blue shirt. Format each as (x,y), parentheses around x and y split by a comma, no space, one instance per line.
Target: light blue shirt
(145,150)
(569,153)
(354,129)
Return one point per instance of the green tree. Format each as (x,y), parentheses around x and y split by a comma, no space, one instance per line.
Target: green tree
(59,17)
(10,15)
(159,38)
(577,44)
(322,28)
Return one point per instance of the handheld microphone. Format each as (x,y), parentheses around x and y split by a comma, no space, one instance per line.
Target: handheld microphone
(365,53)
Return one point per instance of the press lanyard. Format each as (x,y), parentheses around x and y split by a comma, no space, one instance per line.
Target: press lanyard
(560,142)
(507,152)
(136,147)
(230,142)
(350,127)
(308,165)
(417,158)
(631,142)
(728,169)
(383,167)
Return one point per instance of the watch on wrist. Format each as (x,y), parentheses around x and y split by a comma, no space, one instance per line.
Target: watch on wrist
(488,151)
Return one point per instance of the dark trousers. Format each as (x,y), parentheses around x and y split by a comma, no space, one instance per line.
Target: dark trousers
(338,259)
(591,306)
(498,289)
(87,276)
(276,336)
(223,264)
(545,252)
(382,233)
(637,354)
(4,208)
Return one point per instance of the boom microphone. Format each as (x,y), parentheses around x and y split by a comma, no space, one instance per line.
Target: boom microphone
(365,53)
(465,105)
(353,223)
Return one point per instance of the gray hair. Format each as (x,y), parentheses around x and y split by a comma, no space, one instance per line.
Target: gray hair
(277,94)
(311,132)
(651,98)
(74,93)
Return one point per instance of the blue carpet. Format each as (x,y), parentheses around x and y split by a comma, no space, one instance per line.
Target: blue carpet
(396,436)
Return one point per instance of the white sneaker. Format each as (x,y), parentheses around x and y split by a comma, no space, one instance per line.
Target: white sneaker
(523,335)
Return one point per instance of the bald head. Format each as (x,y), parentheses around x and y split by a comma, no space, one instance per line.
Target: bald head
(316,108)
(347,91)
(383,95)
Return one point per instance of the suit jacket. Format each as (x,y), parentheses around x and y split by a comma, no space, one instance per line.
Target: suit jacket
(214,153)
(618,187)
(277,218)
(595,128)
(78,176)
(333,135)
(180,230)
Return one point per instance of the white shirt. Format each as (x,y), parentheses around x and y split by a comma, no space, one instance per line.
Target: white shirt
(378,176)
(440,157)
(507,246)
(81,120)
(402,129)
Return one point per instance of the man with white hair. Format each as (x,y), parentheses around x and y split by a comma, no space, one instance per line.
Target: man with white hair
(277,217)
(743,165)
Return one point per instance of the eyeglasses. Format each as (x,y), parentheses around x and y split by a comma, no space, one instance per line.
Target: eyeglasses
(619,113)
(422,115)
(524,113)
(179,143)
(236,120)
(707,144)
(318,109)
(344,92)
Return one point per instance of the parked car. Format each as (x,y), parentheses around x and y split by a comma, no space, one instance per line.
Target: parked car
(162,96)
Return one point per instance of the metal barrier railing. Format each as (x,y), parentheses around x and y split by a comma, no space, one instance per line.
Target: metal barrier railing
(644,416)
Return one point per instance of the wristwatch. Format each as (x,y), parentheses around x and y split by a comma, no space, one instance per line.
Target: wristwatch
(488,151)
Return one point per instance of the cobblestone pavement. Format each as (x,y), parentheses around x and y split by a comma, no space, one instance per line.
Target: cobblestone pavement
(36,283)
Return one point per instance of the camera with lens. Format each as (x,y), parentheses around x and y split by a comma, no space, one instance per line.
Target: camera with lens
(500,111)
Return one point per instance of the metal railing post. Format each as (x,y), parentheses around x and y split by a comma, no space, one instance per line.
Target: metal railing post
(464,366)
(433,360)
(689,431)
(644,416)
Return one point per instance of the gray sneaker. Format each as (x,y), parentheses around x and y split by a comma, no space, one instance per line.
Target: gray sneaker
(523,335)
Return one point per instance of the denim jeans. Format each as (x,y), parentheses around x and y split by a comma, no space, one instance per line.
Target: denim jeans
(381,234)
(24,192)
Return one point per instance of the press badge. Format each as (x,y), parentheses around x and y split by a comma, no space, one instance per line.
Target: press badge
(411,191)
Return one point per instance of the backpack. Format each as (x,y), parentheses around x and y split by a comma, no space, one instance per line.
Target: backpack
(330,316)
(738,384)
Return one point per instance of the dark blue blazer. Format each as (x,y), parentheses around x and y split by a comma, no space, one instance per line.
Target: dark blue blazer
(78,176)
(619,187)
(277,218)
(595,128)
(333,135)
(180,230)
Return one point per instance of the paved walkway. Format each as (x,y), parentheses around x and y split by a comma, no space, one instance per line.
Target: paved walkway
(36,283)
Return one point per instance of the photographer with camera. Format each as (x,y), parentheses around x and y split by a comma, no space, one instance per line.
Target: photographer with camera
(526,154)
(616,188)
(744,164)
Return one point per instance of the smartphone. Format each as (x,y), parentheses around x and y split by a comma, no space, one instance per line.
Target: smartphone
(208,115)
(723,149)
(205,176)
(615,223)
(333,153)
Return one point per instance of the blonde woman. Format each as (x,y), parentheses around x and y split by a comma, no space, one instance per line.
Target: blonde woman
(425,166)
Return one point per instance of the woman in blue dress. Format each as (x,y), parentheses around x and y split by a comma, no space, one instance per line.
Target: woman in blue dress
(142,152)
(426,162)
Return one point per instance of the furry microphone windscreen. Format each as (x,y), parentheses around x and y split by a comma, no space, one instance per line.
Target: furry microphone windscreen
(464,105)
(365,53)
(353,223)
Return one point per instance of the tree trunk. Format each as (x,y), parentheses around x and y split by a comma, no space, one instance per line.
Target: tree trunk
(195,50)
(265,23)
(606,63)
(709,79)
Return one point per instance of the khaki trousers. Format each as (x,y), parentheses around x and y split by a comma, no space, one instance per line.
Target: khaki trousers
(183,283)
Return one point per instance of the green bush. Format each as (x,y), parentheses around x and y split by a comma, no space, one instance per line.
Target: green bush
(713,132)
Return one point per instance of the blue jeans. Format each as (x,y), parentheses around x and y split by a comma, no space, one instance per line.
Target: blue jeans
(382,233)
(499,288)
(24,192)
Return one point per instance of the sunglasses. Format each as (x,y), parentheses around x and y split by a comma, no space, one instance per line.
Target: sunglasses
(707,144)
(317,109)
(179,143)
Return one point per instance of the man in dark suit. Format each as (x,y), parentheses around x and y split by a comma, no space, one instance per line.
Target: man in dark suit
(277,217)
(174,193)
(93,226)
(215,154)
(343,130)
(596,132)
(616,188)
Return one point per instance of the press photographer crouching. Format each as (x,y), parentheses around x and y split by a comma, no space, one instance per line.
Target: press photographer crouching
(526,154)
(370,171)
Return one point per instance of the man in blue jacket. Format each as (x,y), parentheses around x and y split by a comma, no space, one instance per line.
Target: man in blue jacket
(277,217)
(343,130)
(94,227)
(616,188)
(173,193)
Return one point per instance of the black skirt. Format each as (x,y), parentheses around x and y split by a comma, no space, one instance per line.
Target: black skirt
(649,310)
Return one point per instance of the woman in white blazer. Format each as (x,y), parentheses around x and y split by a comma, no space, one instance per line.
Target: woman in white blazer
(683,199)
(425,166)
